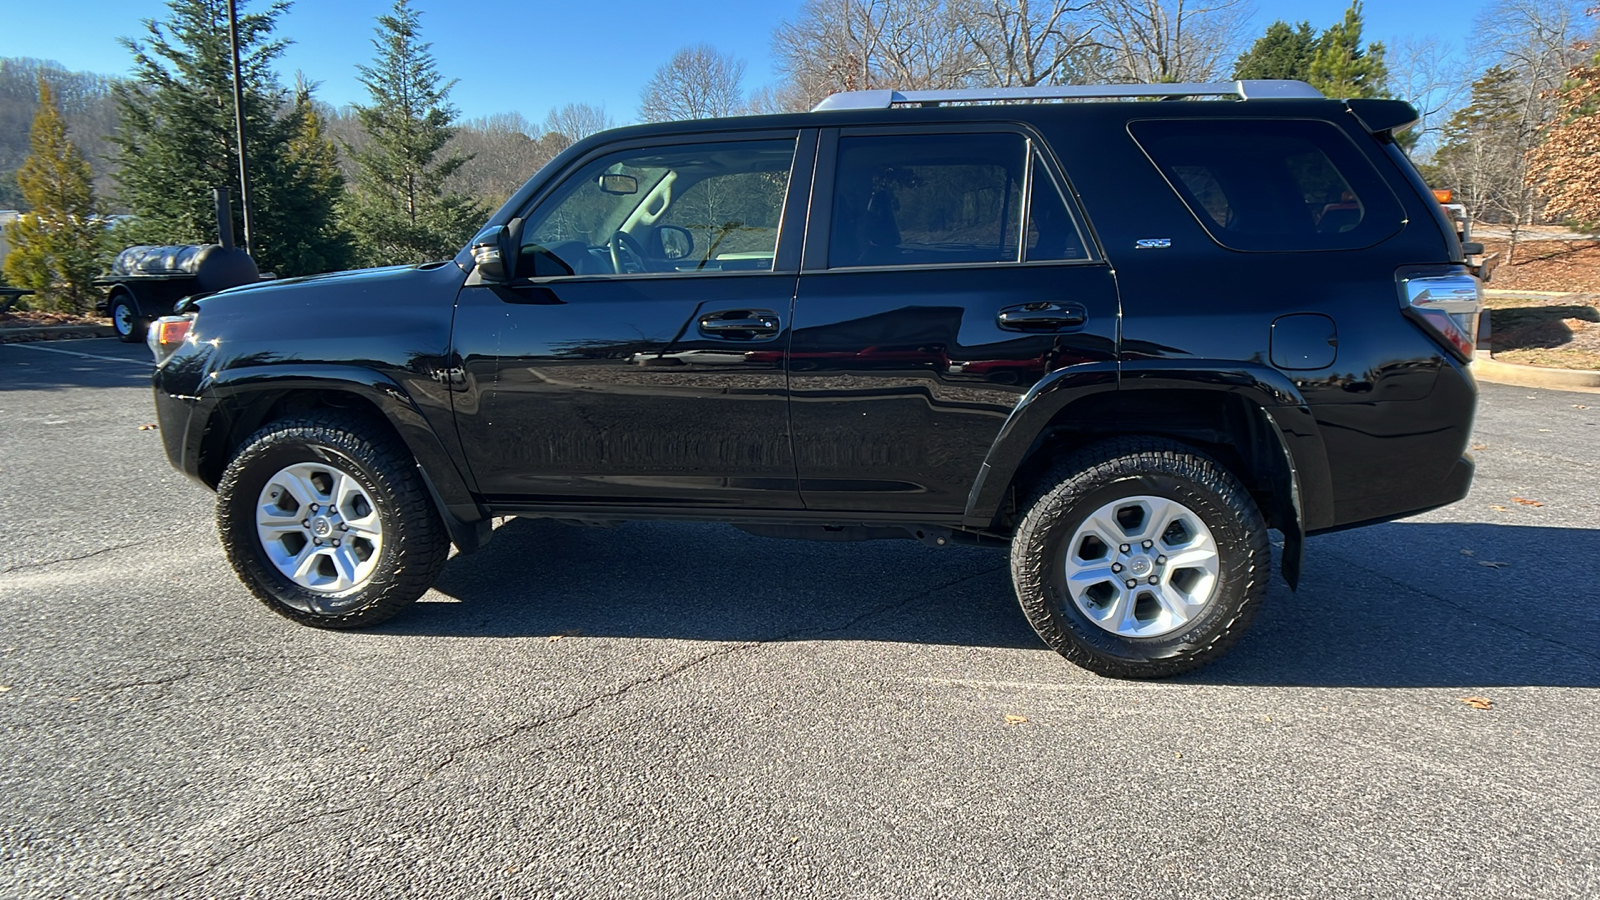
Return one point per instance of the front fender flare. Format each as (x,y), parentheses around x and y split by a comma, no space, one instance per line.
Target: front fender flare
(465,517)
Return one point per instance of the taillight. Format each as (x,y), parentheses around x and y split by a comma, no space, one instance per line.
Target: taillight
(1443,196)
(167,334)
(1446,300)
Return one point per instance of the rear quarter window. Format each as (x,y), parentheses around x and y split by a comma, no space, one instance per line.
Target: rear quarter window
(1273,185)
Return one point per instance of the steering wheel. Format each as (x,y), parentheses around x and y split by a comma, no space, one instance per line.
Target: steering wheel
(626,254)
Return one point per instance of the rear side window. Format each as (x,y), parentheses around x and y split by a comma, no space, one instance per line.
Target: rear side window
(909,200)
(1273,184)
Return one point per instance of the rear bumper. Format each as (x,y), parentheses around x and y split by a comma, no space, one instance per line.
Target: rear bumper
(1457,482)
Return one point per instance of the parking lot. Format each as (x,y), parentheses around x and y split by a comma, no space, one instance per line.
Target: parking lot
(671,710)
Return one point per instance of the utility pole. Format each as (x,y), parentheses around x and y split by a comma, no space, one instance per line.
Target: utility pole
(238,122)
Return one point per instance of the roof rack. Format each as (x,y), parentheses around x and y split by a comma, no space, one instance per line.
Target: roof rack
(1244,90)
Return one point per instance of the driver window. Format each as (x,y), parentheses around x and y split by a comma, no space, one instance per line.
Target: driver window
(683,209)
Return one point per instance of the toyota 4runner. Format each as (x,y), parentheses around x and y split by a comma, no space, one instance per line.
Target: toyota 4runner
(1126,330)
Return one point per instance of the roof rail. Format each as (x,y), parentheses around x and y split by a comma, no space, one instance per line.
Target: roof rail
(1244,90)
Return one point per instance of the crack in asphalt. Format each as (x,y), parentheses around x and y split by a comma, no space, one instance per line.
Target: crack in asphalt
(66,559)
(616,693)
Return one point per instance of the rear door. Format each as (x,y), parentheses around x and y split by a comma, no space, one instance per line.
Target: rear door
(946,271)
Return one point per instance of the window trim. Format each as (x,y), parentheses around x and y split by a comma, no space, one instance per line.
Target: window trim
(819,233)
(791,220)
(1178,192)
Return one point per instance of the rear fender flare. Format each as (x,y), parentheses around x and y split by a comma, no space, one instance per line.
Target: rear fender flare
(1298,459)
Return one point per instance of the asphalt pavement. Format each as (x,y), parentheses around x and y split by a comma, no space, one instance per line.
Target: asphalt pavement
(682,710)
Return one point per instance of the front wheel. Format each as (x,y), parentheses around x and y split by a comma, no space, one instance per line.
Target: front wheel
(328,523)
(1140,558)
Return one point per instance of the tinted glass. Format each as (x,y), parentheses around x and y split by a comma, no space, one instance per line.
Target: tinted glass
(679,210)
(1273,184)
(925,200)
(1053,231)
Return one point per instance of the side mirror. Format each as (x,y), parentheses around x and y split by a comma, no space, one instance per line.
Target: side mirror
(494,252)
(489,256)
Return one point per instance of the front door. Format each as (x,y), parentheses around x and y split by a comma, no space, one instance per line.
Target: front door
(636,357)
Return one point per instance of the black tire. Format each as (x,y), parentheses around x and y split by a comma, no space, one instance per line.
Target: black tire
(1105,473)
(125,318)
(414,543)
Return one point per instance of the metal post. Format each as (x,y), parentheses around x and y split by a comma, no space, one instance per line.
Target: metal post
(238,122)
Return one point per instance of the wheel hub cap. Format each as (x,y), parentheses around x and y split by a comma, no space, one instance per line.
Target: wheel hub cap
(320,529)
(1142,566)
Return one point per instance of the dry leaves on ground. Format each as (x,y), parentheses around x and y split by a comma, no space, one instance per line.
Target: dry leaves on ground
(1478,702)
(1526,502)
(1014,719)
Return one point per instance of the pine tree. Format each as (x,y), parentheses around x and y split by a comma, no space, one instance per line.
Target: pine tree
(399,210)
(1342,68)
(329,246)
(58,246)
(1482,155)
(1282,52)
(177,139)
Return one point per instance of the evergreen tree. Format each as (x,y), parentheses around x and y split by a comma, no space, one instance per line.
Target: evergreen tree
(177,139)
(330,246)
(1482,155)
(58,247)
(399,209)
(1283,52)
(1342,68)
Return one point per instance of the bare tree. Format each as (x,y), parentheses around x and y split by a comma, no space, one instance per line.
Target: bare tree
(1426,72)
(1018,43)
(576,121)
(504,150)
(781,98)
(1538,42)
(697,83)
(852,45)
(1170,40)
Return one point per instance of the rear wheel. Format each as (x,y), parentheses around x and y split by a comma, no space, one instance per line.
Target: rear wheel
(1140,558)
(328,522)
(125,318)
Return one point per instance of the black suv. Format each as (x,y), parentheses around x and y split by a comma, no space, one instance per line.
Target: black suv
(1126,330)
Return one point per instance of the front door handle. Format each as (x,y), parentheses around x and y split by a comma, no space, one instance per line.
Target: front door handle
(1042,317)
(740,324)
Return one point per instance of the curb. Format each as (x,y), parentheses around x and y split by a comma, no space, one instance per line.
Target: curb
(54,333)
(1540,295)
(1486,368)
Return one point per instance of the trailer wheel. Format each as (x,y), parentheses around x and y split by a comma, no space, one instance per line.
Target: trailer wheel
(125,318)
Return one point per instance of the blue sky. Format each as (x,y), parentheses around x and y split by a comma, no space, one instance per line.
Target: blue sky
(530,56)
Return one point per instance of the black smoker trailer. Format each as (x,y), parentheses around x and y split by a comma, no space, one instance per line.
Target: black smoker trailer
(147,282)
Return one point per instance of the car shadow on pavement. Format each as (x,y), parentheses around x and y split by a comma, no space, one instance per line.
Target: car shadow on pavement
(1396,605)
(1427,604)
(710,582)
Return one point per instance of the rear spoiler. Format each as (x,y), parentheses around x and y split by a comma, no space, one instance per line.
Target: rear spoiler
(1383,119)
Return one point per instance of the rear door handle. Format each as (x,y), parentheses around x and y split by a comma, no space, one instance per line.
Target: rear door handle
(1042,317)
(741,324)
